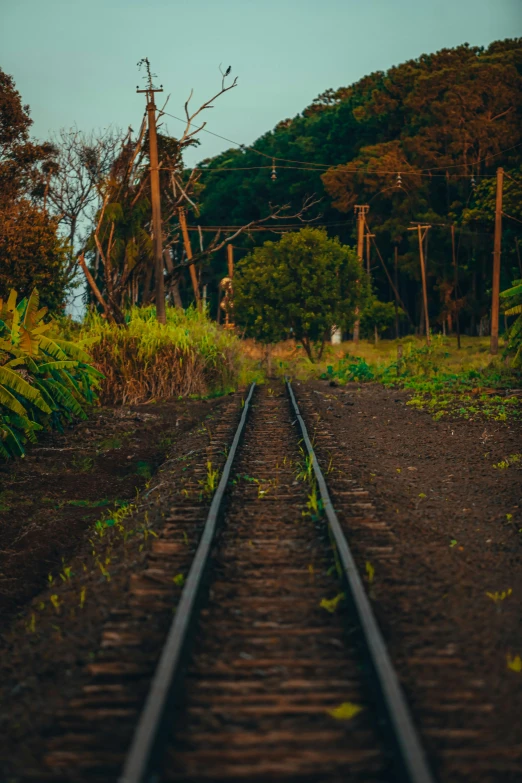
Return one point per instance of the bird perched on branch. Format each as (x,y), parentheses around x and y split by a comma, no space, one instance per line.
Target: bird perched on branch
(228,70)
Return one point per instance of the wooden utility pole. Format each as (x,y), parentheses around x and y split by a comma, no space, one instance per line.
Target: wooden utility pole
(360,211)
(368,237)
(395,277)
(188,251)
(155,198)
(422,232)
(493,347)
(456,283)
(230,258)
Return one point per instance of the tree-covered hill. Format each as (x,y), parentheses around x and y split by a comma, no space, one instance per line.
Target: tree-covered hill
(443,122)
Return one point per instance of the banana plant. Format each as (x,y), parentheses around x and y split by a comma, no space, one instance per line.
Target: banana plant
(44,379)
(514,307)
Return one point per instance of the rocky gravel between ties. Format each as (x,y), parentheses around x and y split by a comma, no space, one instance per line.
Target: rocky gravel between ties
(436,526)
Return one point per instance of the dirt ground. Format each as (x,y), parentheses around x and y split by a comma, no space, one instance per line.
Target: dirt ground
(454,583)
(67,481)
(60,577)
(456,521)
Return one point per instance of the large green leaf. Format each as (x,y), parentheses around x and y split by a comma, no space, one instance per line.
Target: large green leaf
(33,304)
(65,398)
(51,348)
(9,401)
(15,382)
(48,366)
(73,350)
(517,289)
(13,441)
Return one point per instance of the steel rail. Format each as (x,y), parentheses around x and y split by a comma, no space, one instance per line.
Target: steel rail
(413,764)
(146,748)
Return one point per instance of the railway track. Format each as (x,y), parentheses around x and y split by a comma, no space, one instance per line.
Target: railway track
(273,667)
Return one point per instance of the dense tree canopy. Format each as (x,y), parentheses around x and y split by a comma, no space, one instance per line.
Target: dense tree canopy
(419,142)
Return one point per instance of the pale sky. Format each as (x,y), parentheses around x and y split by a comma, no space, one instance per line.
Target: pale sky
(74,62)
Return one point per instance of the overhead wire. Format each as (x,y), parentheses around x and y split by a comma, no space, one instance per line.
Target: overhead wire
(326,166)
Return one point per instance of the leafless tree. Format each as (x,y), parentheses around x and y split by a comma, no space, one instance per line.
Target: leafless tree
(75,180)
(127,267)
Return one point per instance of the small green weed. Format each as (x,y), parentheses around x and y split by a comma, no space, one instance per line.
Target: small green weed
(82,464)
(144,469)
(331,605)
(345,711)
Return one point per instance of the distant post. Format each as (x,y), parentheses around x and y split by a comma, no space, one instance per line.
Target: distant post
(360,211)
(421,233)
(230,258)
(493,346)
(188,251)
(155,196)
(456,283)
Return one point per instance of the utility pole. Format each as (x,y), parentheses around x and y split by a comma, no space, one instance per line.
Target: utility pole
(155,195)
(456,283)
(230,258)
(360,211)
(493,347)
(420,229)
(395,276)
(368,237)
(188,251)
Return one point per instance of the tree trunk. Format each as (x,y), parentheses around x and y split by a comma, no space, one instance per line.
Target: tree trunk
(321,349)
(306,346)
(176,295)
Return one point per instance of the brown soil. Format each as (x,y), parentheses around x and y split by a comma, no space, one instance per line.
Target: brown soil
(51,502)
(67,481)
(452,525)
(449,524)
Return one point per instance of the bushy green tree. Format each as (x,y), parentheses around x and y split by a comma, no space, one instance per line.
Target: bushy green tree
(299,287)
(376,317)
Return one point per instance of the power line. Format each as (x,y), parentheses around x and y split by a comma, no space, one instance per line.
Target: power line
(511,217)
(326,166)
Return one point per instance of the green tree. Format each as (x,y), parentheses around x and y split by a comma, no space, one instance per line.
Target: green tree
(31,252)
(299,287)
(456,113)
(376,317)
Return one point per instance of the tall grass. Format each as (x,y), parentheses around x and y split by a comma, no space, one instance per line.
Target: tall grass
(189,355)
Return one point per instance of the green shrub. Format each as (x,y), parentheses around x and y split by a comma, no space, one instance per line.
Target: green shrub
(349,368)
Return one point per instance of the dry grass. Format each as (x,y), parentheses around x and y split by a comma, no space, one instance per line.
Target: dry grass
(189,356)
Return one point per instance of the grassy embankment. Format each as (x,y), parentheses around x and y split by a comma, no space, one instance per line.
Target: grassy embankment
(190,356)
(442,379)
(50,372)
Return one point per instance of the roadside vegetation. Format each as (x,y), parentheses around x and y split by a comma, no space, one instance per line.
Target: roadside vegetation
(143,360)
(45,381)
